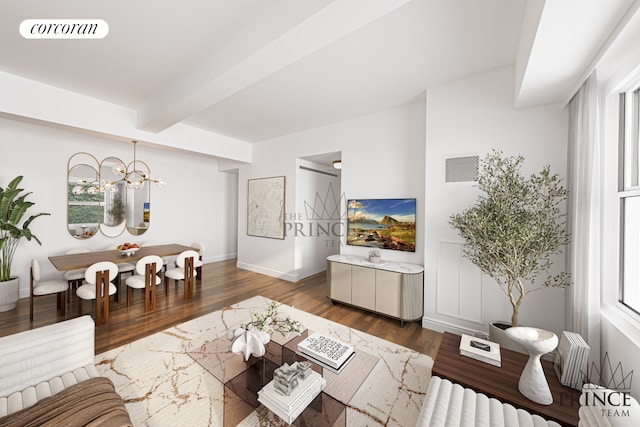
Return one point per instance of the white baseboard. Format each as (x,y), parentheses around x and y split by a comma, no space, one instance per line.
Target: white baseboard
(268,272)
(217,258)
(440,326)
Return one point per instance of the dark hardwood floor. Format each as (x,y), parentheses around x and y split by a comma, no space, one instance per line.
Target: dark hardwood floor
(223,284)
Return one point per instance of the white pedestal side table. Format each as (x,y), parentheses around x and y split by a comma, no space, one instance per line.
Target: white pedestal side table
(533,384)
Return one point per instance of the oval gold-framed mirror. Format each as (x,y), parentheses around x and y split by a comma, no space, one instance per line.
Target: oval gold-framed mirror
(83,196)
(114,201)
(138,198)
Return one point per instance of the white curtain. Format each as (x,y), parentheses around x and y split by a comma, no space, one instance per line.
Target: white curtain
(584,216)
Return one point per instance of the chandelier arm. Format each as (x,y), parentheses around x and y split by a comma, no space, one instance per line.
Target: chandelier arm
(132,169)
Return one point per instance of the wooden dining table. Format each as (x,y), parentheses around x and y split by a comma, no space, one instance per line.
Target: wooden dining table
(84,260)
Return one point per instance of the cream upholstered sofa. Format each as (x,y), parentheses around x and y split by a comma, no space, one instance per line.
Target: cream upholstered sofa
(449,404)
(40,366)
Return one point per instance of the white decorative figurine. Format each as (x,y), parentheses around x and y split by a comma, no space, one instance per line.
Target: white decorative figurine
(286,377)
(250,338)
(248,342)
(374,256)
(533,384)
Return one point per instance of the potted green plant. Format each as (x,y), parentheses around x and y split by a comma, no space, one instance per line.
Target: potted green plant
(13,206)
(515,227)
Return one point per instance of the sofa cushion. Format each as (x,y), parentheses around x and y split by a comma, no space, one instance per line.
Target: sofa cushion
(31,395)
(449,404)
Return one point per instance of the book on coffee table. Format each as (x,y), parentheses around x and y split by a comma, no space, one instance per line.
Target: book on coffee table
(326,351)
(479,349)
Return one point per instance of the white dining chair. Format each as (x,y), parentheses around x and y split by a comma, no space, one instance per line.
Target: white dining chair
(166,261)
(75,277)
(46,287)
(99,287)
(184,270)
(147,280)
(123,268)
(198,262)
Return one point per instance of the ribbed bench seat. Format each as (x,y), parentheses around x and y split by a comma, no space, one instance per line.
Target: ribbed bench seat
(449,404)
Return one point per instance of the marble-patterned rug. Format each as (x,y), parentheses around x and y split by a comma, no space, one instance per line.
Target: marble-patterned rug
(163,386)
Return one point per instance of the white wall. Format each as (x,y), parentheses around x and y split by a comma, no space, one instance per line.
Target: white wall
(382,157)
(473,116)
(316,223)
(198,204)
(621,349)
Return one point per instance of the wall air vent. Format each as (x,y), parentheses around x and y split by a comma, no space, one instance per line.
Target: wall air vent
(461,169)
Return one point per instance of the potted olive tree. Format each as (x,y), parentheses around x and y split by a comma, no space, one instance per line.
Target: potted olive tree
(514,228)
(13,207)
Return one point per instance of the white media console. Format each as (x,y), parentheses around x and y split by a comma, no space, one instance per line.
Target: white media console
(391,288)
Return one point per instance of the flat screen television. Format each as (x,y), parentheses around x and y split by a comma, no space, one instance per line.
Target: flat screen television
(382,223)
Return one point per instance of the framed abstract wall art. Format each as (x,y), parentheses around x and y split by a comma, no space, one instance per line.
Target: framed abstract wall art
(265,207)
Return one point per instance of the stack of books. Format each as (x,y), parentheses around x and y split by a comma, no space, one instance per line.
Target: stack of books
(329,353)
(288,408)
(571,360)
(479,349)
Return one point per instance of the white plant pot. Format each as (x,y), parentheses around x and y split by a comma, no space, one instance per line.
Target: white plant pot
(497,334)
(9,294)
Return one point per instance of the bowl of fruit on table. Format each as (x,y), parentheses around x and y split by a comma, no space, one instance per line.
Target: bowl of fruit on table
(128,249)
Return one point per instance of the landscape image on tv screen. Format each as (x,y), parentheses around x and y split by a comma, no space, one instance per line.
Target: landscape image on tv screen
(382,223)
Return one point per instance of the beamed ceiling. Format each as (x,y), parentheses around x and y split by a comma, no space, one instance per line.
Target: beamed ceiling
(251,70)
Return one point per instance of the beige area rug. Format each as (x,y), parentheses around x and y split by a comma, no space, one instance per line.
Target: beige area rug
(163,386)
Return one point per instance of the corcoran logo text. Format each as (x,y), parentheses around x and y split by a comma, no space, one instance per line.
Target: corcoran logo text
(64,29)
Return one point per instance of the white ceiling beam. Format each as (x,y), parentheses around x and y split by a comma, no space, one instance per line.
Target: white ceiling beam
(327,23)
(602,51)
(561,43)
(31,101)
(530,23)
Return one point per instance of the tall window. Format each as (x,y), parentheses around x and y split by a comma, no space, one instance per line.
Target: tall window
(629,196)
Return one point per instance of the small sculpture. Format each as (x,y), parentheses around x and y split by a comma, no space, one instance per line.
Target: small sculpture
(304,369)
(251,338)
(286,377)
(374,256)
(248,342)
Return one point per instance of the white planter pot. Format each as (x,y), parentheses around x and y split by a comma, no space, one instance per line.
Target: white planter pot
(497,334)
(9,294)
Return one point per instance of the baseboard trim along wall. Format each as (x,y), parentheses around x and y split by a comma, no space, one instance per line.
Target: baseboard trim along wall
(218,258)
(268,272)
(440,326)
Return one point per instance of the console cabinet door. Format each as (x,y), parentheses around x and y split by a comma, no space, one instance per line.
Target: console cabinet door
(341,282)
(388,292)
(363,287)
